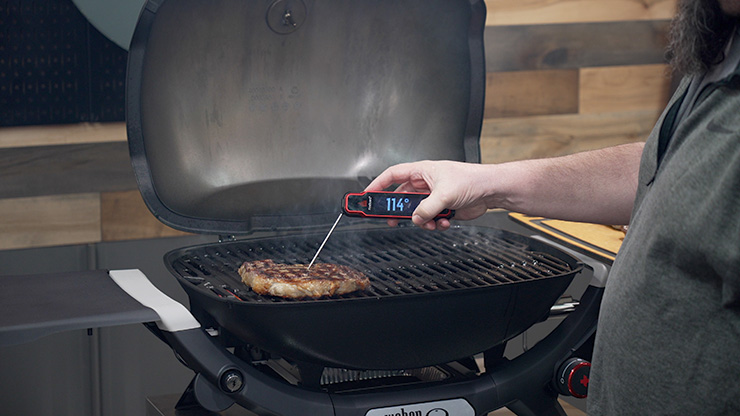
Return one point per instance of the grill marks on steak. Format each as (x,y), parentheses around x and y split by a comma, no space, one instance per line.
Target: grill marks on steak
(266,277)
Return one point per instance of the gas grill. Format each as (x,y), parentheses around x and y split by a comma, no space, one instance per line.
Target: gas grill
(250,119)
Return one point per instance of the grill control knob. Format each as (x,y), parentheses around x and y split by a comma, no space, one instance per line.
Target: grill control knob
(231,381)
(572,377)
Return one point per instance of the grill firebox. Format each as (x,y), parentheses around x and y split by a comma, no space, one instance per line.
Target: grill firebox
(397,263)
(435,297)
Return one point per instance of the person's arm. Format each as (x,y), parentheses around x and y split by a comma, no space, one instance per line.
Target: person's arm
(597,186)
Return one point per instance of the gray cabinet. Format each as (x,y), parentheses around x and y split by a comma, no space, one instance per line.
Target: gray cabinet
(107,371)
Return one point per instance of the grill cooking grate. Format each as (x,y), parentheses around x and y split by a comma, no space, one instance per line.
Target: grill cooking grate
(397,261)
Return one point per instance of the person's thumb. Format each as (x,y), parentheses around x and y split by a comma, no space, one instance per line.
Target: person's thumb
(428,209)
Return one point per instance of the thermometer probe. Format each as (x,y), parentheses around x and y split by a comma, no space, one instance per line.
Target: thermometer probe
(372,204)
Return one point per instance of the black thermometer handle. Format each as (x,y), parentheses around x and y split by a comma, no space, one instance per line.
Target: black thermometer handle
(372,204)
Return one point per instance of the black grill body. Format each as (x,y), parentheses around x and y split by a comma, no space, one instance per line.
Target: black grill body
(434,297)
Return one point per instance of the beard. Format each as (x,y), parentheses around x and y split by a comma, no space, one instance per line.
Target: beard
(698,35)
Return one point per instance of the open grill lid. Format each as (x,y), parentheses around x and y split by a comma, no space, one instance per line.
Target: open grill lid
(246,114)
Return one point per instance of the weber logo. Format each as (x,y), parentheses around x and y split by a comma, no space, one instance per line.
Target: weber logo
(455,407)
(405,413)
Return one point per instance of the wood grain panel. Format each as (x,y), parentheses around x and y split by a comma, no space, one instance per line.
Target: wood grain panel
(508,139)
(528,12)
(65,169)
(566,46)
(124,216)
(62,134)
(526,93)
(624,88)
(49,220)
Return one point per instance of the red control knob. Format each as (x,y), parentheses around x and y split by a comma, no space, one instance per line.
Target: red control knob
(572,377)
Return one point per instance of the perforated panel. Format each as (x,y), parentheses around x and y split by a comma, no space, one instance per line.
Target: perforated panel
(55,67)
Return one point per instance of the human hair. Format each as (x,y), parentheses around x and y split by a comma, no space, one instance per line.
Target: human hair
(697,36)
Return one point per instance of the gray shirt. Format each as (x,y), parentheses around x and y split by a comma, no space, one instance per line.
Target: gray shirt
(716,73)
(668,341)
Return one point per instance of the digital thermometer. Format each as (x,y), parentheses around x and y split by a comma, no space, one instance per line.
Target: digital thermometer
(378,205)
(386,204)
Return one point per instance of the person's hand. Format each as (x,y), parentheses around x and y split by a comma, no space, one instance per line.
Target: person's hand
(452,185)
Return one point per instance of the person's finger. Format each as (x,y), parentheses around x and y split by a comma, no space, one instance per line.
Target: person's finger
(409,187)
(393,175)
(429,225)
(443,224)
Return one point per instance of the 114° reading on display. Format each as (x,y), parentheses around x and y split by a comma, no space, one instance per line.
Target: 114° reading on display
(394,205)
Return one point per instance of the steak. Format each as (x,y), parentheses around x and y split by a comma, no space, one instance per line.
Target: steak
(266,277)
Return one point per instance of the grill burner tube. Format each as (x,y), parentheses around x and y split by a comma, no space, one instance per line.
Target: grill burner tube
(434,297)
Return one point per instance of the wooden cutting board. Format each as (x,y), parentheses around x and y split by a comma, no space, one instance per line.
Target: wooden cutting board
(600,241)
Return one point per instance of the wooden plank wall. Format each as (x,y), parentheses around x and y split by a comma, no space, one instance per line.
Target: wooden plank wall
(562,76)
(572,75)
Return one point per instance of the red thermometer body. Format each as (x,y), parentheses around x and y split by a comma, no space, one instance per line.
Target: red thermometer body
(386,204)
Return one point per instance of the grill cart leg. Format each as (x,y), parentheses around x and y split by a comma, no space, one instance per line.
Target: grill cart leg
(201,394)
(549,407)
(187,400)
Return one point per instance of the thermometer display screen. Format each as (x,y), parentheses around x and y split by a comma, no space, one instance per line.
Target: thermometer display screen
(392,205)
